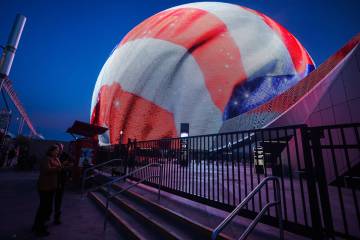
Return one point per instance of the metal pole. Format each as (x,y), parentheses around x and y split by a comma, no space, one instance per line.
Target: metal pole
(20,119)
(316,222)
(279,207)
(106,212)
(160,180)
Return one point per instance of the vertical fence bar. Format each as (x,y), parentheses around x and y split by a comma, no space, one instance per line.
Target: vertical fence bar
(340,193)
(187,159)
(290,175)
(271,155)
(348,165)
(183,164)
(208,167)
(233,169)
(178,168)
(147,171)
(238,165)
(167,169)
(222,169)
(316,134)
(311,186)
(282,177)
(213,159)
(204,166)
(217,168)
(251,169)
(244,165)
(193,164)
(300,176)
(200,155)
(196,166)
(256,157)
(180,182)
(228,149)
(173,173)
(357,209)
(265,170)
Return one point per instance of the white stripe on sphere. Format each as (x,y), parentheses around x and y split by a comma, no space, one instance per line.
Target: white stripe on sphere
(167,75)
(262,51)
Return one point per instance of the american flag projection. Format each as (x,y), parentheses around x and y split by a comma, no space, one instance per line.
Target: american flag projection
(199,63)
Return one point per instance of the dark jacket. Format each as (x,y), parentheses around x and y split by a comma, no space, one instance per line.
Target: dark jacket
(48,178)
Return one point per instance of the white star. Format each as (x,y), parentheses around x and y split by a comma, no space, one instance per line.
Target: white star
(117,103)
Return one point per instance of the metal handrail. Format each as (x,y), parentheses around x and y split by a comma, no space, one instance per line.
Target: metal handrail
(252,225)
(84,177)
(108,184)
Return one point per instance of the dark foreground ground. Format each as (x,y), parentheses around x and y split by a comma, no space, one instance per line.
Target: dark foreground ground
(19,202)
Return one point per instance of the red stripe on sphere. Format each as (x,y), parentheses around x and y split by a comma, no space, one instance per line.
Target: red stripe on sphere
(139,118)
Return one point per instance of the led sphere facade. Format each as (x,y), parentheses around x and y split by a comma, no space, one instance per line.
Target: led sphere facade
(198,63)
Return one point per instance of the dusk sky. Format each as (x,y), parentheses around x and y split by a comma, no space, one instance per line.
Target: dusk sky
(65,44)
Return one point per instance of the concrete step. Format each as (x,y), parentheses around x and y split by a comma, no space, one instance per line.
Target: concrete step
(128,223)
(174,217)
(181,226)
(200,216)
(145,216)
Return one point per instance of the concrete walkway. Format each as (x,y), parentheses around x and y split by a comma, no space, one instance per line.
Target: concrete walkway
(19,201)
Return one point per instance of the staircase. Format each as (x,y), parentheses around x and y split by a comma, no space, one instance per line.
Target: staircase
(139,214)
(139,211)
(141,218)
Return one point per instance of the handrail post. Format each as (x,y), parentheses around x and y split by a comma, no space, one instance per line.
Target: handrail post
(85,171)
(278,207)
(160,180)
(250,196)
(106,213)
(109,184)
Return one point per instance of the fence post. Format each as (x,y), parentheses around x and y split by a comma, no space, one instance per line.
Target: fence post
(311,185)
(316,134)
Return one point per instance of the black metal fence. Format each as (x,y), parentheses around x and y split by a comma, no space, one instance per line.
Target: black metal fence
(318,170)
(336,162)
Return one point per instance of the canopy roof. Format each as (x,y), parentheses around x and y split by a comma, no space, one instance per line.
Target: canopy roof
(86,129)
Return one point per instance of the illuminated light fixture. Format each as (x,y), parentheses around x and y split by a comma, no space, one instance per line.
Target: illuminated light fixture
(184,130)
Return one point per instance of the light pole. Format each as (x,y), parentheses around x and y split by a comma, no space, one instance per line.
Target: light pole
(184,147)
(121,136)
(9,50)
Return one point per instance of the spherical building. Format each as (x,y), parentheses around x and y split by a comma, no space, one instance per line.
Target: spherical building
(199,63)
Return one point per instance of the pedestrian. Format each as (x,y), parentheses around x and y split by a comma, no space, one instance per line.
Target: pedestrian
(47,184)
(62,175)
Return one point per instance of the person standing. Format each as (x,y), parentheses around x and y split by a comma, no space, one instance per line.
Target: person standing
(62,176)
(47,184)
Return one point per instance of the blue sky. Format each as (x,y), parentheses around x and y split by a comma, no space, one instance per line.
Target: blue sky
(65,43)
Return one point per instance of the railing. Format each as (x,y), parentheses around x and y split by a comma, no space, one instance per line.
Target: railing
(202,169)
(85,177)
(252,225)
(317,169)
(108,185)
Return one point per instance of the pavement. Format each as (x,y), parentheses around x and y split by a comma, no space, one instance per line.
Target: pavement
(82,219)
(19,201)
